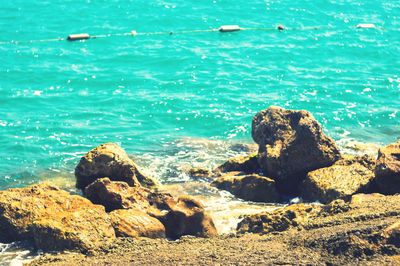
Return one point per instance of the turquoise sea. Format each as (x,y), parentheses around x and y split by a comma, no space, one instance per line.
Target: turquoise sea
(163,96)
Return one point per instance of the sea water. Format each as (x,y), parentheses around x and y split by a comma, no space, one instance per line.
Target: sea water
(173,100)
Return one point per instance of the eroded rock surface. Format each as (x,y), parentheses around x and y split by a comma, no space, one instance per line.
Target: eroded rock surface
(109,160)
(246,164)
(53,219)
(251,187)
(387,169)
(291,144)
(339,181)
(136,223)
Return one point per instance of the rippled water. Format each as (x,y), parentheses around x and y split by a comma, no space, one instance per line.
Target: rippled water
(60,99)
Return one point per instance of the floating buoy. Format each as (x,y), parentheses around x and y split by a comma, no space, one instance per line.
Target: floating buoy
(229,28)
(280,27)
(133,33)
(77,37)
(366,26)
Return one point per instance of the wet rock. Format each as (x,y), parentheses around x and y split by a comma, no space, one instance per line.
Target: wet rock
(182,216)
(296,215)
(387,169)
(186,216)
(251,187)
(200,173)
(291,144)
(109,160)
(339,181)
(53,219)
(247,164)
(135,223)
(115,195)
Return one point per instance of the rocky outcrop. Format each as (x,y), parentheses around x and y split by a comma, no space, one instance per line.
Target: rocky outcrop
(246,164)
(109,160)
(361,207)
(135,223)
(392,234)
(291,144)
(200,173)
(387,169)
(251,187)
(185,216)
(115,195)
(182,216)
(53,219)
(339,181)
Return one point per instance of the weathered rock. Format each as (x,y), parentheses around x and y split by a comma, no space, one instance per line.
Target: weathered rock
(387,169)
(135,223)
(296,215)
(53,219)
(109,160)
(251,187)
(247,164)
(392,234)
(200,173)
(186,216)
(291,144)
(339,181)
(361,207)
(115,195)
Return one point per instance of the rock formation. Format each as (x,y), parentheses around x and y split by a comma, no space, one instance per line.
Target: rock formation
(387,169)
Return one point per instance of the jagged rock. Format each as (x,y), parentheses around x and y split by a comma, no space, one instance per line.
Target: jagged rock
(53,219)
(109,160)
(200,173)
(251,187)
(361,207)
(387,169)
(291,144)
(115,195)
(135,223)
(247,164)
(392,234)
(295,215)
(186,216)
(341,180)
(182,216)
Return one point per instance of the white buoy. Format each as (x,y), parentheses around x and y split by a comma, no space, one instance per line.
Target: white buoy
(133,33)
(366,26)
(76,37)
(229,28)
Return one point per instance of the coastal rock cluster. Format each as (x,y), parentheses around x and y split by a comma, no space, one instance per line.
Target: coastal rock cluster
(294,159)
(298,159)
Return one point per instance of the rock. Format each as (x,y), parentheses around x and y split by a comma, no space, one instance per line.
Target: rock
(291,144)
(53,219)
(339,181)
(247,164)
(387,169)
(200,173)
(392,234)
(115,195)
(251,187)
(109,160)
(135,223)
(182,216)
(186,216)
(296,215)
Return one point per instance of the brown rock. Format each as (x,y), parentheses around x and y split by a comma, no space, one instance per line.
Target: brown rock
(392,234)
(296,215)
(53,218)
(251,187)
(109,160)
(186,216)
(291,144)
(200,173)
(247,164)
(387,169)
(135,223)
(115,195)
(339,181)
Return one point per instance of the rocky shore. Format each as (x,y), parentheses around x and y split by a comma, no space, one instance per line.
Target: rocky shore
(349,214)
